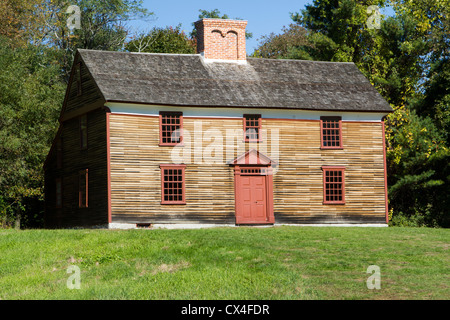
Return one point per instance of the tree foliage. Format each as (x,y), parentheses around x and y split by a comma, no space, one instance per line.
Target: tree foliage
(102,26)
(31,94)
(36,52)
(407,60)
(163,40)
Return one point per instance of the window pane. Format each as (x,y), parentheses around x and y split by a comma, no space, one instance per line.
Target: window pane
(173,185)
(170,128)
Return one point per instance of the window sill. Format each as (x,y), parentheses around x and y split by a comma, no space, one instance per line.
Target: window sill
(171,145)
(331,148)
(173,203)
(338,203)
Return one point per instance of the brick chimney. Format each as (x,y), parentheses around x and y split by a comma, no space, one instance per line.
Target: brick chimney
(221,39)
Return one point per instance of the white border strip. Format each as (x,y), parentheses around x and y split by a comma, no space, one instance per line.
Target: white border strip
(237,113)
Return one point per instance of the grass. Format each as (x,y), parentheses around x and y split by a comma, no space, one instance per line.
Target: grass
(226,263)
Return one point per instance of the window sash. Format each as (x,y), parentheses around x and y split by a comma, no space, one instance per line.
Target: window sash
(252,127)
(58,193)
(333,185)
(173,184)
(331,133)
(83,127)
(78,79)
(59,153)
(170,128)
(83,188)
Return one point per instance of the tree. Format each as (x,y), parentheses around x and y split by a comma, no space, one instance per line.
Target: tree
(342,25)
(17,20)
(418,170)
(103,26)
(406,59)
(292,43)
(31,96)
(163,40)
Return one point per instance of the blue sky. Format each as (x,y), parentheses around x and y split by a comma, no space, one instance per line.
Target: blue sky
(263,16)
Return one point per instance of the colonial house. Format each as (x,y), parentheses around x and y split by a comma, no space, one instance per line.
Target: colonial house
(216,138)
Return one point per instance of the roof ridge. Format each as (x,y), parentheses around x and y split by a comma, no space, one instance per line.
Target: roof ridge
(301,60)
(141,53)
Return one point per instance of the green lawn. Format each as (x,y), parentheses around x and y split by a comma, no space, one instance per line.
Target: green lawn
(226,263)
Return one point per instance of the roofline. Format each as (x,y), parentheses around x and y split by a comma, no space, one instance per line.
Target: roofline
(199,55)
(245,107)
(140,53)
(303,60)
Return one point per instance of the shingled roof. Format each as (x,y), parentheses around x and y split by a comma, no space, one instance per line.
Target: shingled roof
(188,80)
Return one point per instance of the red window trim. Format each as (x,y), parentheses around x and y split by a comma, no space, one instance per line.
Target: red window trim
(327,118)
(58,204)
(183,182)
(170,144)
(83,175)
(333,168)
(246,139)
(83,135)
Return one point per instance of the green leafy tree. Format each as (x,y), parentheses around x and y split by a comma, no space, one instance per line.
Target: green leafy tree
(31,92)
(418,170)
(338,28)
(163,40)
(102,27)
(292,43)
(406,59)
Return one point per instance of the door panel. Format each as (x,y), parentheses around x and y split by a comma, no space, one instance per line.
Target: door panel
(252,195)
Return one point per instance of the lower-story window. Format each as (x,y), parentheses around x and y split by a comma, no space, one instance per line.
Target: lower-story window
(58,185)
(333,185)
(83,183)
(172,184)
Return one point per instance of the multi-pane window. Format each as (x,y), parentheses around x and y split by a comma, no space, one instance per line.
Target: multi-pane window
(83,132)
(170,127)
(172,184)
(58,185)
(78,79)
(59,154)
(83,183)
(333,185)
(252,127)
(331,132)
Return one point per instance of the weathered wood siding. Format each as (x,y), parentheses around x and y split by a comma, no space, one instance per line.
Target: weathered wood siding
(136,176)
(94,158)
(298,181)
(90,92)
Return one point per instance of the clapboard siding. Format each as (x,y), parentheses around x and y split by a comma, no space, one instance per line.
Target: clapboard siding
(94,158)
(90,91)
(298,189)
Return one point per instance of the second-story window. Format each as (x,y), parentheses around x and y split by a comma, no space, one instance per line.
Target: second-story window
(78,79)
(83,128)
(252,127)
(59,153)
(170,128)
(331,132)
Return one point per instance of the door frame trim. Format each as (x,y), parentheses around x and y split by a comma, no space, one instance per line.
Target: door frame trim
(266,170)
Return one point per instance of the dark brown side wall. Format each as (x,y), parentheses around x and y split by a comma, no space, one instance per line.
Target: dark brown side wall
(94,158)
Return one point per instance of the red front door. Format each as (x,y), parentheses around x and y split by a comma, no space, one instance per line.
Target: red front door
(253,190)
(251,199)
